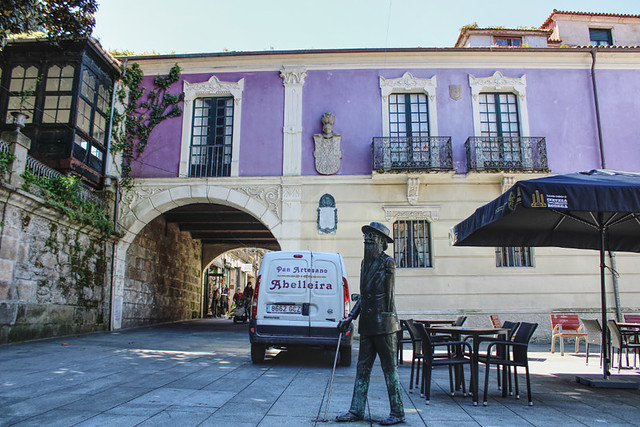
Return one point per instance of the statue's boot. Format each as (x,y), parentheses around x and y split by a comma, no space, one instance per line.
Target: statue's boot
(391,420)
(349,417)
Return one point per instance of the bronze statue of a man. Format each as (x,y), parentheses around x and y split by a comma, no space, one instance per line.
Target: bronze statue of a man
(378,325)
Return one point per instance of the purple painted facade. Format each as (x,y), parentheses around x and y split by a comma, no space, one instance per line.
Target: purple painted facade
(560,106)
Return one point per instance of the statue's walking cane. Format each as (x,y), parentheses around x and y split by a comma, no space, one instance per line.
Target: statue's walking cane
(333,373)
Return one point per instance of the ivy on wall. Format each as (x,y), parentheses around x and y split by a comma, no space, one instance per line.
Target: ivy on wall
(6,160)
(144,110)
(65,193)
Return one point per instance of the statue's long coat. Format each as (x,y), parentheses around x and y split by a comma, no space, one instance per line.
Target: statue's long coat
(376,305)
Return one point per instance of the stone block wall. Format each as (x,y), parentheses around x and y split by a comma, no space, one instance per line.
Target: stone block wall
(54,273)
(163,277)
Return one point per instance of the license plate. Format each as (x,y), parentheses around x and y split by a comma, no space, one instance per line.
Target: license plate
(284,309)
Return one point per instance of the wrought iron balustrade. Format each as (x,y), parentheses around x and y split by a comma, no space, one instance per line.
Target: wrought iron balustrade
(42,170)
(412,153)
(210,160)
(505,153)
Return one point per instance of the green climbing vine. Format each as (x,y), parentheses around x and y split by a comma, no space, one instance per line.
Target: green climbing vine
(65,193)
(6,160)
(144,109)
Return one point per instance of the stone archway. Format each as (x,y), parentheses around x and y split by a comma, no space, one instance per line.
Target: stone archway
(153,197)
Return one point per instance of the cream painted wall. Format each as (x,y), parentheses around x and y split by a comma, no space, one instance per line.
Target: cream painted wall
(575,30)
(462,280)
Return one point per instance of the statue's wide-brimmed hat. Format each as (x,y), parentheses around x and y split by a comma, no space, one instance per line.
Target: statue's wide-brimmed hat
(380,228)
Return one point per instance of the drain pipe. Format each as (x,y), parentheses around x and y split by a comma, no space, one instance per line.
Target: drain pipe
(594,50)
(603,165)
(116,208)
(116,202)
(616,293)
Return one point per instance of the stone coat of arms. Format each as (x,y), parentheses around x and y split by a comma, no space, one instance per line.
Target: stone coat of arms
(327,153)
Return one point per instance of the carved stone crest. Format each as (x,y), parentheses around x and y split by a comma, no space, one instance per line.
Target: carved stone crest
(455,92)
(327,147)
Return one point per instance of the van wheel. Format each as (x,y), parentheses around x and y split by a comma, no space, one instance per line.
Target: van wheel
(345,356)
(257,353)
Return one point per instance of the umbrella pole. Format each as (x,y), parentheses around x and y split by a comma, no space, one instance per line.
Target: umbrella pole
(603,296)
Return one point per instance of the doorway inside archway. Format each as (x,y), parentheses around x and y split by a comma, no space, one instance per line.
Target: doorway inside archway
(226,279)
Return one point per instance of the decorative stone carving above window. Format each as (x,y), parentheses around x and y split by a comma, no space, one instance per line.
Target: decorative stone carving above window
(409,84)
(418,211)
(213,87)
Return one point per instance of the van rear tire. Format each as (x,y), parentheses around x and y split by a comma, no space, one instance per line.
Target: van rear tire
(345,356)
(257,353)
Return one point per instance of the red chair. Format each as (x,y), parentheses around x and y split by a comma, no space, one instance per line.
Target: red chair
(566,325)
(495,321)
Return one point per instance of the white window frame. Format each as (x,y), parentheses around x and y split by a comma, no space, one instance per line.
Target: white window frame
(409,84)
(499,83)
(211,88)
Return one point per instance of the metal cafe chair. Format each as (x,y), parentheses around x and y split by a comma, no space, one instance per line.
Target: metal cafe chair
(416,356)
(515,354)
(621,340)
(460,321)
(594,335)
(634,318)
(512,327)
(403,338)
(457,354)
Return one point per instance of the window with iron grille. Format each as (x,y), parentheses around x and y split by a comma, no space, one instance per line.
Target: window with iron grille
(409,127)
(412,243)
(510,256)
(212,137)
(499,121)
(600,37)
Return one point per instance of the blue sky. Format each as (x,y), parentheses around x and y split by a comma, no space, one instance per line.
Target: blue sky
(202,26)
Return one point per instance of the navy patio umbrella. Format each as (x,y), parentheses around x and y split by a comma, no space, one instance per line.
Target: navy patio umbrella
(597,210)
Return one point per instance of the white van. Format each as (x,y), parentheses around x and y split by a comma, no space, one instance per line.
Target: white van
(299,298)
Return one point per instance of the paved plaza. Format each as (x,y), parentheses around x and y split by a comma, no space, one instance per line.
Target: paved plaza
(199,374)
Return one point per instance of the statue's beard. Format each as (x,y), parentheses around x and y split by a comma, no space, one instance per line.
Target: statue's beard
(371,252)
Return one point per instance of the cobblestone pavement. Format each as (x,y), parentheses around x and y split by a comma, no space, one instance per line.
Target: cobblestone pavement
(199,374)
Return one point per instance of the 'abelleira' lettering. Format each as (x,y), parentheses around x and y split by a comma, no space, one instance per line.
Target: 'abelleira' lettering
(300,284)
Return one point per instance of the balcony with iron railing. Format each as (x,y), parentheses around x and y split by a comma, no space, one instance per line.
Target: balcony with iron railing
(412,153)
(489,154)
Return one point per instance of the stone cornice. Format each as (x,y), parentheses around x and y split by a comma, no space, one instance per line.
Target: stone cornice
(372,59)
